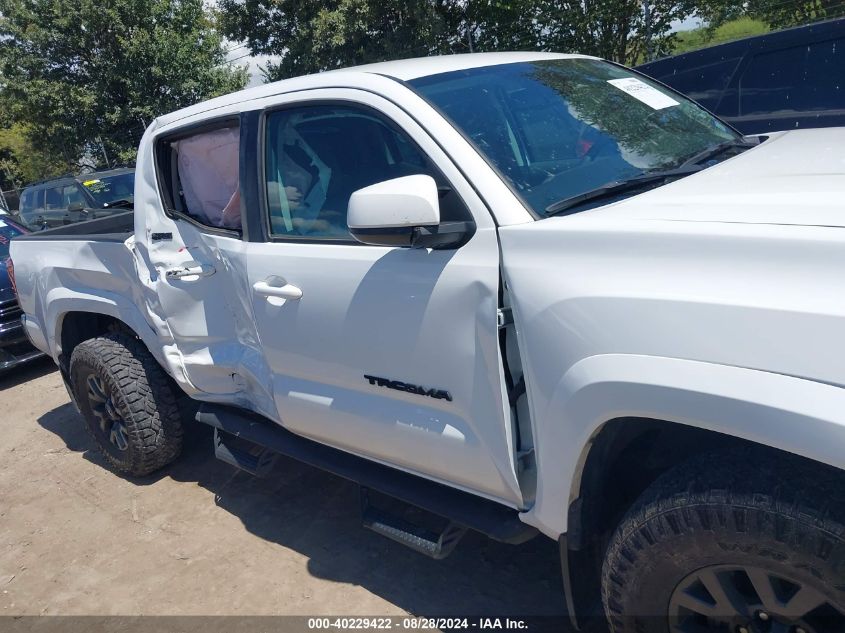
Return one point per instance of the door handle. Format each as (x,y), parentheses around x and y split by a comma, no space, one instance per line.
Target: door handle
(286,291)
(190,269)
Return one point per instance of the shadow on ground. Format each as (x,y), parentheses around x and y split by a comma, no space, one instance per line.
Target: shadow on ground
(11,378)
(317,515)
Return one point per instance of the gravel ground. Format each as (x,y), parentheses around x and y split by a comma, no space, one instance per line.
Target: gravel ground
(202,538)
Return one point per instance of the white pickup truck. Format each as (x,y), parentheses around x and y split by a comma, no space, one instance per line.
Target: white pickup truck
(531,294)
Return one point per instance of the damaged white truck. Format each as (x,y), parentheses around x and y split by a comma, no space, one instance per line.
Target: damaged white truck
(531,294)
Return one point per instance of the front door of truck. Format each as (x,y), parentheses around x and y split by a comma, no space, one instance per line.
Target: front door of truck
(389,353)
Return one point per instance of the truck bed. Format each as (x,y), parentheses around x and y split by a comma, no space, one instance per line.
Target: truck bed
(112,228)
(80,267)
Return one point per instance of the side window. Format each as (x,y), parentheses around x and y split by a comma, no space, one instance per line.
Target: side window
(200,176)
(72,195)
(54,200)
(317,156)
(799,79)
(32,200)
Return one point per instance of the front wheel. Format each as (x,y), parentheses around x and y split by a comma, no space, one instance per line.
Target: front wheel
(741,542)
(128,403)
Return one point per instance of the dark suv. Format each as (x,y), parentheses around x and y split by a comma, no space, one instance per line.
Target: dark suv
(72,199)
(789,79)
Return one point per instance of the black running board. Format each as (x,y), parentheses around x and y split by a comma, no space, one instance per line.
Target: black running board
(495,520)
(254,459)
(436,545)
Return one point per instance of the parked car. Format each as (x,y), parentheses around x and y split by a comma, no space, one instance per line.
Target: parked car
(529,293)
(15,348)
(71,199)
(785,80)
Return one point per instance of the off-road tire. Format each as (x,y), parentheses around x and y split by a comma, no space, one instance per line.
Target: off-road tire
(140,393)
(775,513)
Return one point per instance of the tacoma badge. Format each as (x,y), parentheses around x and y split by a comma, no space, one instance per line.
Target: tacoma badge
(398,385)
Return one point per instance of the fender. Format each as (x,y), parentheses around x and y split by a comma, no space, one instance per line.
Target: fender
(792,414)
(62,301)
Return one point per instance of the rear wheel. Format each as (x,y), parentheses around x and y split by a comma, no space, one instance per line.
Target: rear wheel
(128,403)
(745,542)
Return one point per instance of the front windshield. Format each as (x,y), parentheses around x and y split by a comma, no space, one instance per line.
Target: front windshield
(7,232)
(559,128)
(111,188)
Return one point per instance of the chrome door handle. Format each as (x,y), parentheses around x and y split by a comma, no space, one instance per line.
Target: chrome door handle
(287,291)
(190,269)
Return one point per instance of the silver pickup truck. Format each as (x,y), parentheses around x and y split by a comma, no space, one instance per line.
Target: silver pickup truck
(535,295)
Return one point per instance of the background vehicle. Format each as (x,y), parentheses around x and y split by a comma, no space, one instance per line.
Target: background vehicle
(789,79)
(15,349)
(528,293)
(70,199)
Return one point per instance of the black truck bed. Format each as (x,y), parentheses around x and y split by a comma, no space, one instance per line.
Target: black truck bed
(112,228)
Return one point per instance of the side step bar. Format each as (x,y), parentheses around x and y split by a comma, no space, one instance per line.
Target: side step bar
(415,537)
(254,459)
(495,520)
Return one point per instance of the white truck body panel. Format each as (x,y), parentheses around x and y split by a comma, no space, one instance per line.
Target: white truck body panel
(358,301)
(715,301)
(794,178)
(689,313)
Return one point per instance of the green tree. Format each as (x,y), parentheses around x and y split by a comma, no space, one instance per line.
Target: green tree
(309,37)
(88,75)
(22,161)
(496,25)
(619,30)
(775,13)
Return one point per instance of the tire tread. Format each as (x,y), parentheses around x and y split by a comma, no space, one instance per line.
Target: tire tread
(785,500)
(145,397)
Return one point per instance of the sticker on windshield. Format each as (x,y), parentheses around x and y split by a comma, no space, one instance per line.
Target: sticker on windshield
(641,91)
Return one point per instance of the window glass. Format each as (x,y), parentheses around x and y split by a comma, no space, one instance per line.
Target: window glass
(110,189)
(72,195)
(54,200)
(799,79)
(32,200)
(556,129)
(317,156)
(206,186)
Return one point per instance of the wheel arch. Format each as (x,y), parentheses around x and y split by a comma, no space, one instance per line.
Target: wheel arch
(74,327)
(783,412)
(617,422)
(78,317)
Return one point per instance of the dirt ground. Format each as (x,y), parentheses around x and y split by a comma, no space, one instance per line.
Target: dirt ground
(202,538)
